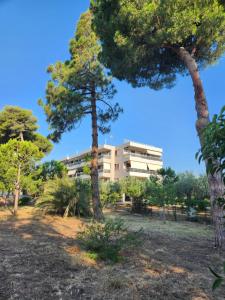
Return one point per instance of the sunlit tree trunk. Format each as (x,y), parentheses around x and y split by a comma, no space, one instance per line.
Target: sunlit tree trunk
(98,215)
(216,186)
(17,191)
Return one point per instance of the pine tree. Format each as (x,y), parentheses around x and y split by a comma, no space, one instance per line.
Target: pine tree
(150,42)
(79,88)
(17,161)
(21,124)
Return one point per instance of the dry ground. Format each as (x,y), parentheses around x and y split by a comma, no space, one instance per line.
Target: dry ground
(40,259)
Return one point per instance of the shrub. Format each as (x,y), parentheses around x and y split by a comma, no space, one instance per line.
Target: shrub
(202,205)
(66,197)
(106,240)
(25,200)
(110,193)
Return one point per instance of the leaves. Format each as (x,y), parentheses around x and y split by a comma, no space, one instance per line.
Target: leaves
(75,82)
(17,123)
(213,150)
(140,38)
(18,154)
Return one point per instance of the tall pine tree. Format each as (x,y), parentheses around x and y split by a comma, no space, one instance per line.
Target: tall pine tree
(80,88)
(149,42)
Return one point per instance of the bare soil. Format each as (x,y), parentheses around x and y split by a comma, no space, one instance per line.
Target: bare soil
(40,259)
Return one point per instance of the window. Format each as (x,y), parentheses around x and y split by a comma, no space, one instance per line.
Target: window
(117,166)
(116,153)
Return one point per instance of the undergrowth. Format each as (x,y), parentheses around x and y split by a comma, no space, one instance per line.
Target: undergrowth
(105,241)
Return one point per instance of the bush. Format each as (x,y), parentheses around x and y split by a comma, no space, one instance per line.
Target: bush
(66,197)
(110,193)
(203,205)
(25,200)
(106,240)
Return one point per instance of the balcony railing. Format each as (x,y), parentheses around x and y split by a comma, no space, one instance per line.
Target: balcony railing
(104,171)
(150,172)
(145,156)
(75,163)
(80,173)
(104,156)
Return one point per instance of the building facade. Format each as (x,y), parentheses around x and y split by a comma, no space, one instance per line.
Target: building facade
(116,162)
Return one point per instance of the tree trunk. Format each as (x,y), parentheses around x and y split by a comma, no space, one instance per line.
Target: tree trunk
(216,186)
(17,191)
(98,215)
(21,136)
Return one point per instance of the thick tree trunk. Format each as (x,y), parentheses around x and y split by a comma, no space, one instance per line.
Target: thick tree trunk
(216,186)
(17,191)
(98,215)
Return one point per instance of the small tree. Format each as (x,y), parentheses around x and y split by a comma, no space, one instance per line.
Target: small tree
(20,124)
(110,193)
(149,42)
(135,189)
(17,161)
(167,179)
(80,88)
(51,169)
(186,187)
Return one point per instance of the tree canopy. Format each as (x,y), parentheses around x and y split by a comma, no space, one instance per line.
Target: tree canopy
(141,39)
(52,169)
(75,82)
(18,123)
(17,162)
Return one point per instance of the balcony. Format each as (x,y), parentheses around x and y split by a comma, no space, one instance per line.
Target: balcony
(144,156)
(107,156)
(86,161)
(104,171)
(150,172)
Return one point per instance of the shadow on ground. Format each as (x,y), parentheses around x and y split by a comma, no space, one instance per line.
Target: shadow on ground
(38,261)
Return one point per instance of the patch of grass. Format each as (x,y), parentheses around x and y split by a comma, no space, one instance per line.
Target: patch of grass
(177,229)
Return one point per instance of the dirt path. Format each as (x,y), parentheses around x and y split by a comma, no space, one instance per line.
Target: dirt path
(40,259)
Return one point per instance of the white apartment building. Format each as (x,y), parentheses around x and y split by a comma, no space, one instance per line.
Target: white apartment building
(115,162)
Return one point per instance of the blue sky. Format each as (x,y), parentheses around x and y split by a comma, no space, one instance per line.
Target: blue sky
(34,34)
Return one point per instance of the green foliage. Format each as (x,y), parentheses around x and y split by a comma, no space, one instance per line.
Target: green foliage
(167,175)
(78,81)
(154,191)
(214,145)
(219,279)
(186,186)
(16,155)
(14,121)
(110,193)
(18,123)
(66,197)
(52,169)
(135,189)
(193,191)
(25,200)
(141,39)
(106,240)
